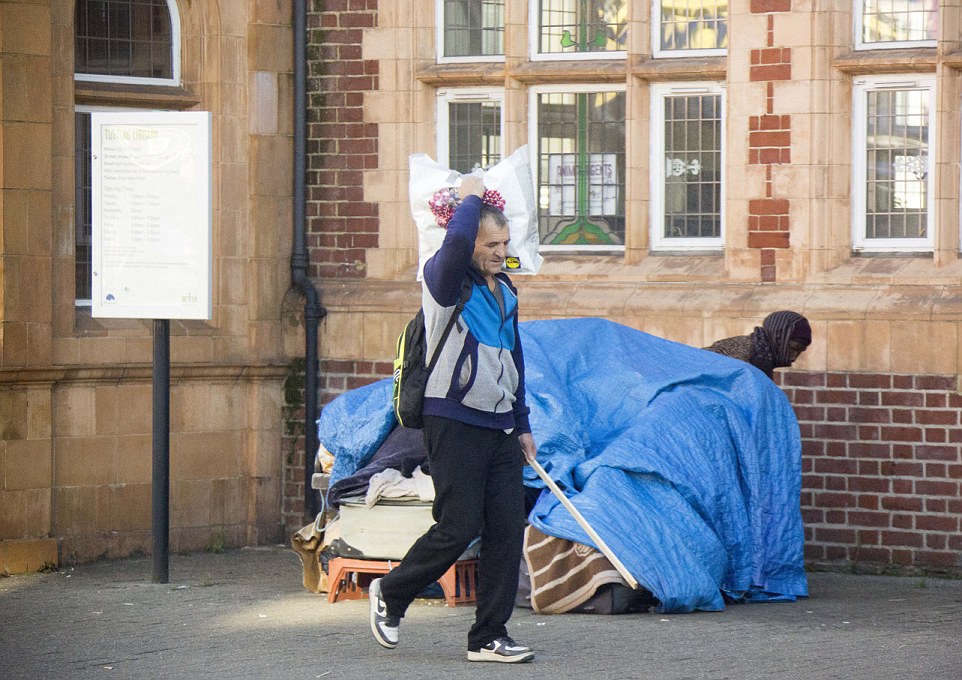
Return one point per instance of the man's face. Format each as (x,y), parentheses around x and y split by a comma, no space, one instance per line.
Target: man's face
(490,247)
(795,348)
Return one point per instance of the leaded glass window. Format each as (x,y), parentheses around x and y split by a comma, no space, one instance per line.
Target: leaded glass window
(687,165)
(122,41)
(686,26)
(894,168)
(893,23)
(582,26)
(469,128)
(580,147)
(471,28)
(124,38)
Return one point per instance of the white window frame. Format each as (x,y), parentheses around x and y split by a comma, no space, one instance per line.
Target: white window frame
(462,95)
(534,41)
(857,20)
(439,42)
(175,44)
(658,53)
(659,92)
(533,93)
(860,89)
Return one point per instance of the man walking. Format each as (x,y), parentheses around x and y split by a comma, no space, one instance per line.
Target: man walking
(476,431)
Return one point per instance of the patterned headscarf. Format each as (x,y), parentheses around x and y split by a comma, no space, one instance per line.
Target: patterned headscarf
(781,327)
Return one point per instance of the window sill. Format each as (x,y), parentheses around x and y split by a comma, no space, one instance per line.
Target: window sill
(660,267)
(93,93)
(679,68)
(462,74)
(595,71)
(870,62)
(909,270)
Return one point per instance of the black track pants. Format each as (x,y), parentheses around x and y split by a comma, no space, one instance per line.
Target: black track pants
(478,490)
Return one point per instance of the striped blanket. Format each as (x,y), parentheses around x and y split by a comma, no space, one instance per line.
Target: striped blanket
(564,574)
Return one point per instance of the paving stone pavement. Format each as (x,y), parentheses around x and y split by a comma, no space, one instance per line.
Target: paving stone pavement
(245,614)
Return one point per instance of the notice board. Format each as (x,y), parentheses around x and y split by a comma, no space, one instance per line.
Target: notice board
(151,214)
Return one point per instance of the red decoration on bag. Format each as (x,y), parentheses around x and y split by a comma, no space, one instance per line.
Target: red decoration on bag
(445,201)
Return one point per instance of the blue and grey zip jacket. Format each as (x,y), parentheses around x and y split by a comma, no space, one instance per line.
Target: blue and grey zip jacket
(479,376)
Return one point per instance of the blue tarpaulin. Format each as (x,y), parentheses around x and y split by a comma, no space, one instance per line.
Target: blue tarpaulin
(686,463)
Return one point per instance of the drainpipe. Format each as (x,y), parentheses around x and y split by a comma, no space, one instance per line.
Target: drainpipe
(313,310)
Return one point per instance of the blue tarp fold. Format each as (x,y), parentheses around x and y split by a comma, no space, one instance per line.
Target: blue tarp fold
(685,462)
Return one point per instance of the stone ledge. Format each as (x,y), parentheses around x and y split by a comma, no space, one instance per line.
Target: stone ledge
(19,377)
(558,298)
(872,62)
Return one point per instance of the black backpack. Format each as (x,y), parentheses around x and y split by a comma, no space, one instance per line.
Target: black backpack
(410,372)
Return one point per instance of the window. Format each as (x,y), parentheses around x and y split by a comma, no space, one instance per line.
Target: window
(126,41)
(469,29)
(689,27)
(578,138)
(120,41)
(892,167)
(469,128)
(686,166)
(896,23)
(579,28)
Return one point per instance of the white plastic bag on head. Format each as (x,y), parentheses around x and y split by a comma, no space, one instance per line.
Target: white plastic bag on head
(511,177)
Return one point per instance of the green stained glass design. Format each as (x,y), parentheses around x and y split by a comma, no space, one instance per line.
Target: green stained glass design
(581,163)
(574,26)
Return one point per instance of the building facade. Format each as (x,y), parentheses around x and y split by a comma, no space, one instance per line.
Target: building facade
(75,390)
(697,165)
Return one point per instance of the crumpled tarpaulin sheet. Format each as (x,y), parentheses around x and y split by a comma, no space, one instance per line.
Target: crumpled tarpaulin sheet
(686,463)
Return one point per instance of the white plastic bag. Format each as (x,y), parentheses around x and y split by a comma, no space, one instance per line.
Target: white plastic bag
(511,177)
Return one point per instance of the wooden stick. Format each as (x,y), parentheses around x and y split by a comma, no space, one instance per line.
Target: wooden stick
(569,506)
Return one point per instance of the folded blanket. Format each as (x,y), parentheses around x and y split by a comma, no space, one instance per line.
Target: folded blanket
(390,483)
(403,450)
(564,574)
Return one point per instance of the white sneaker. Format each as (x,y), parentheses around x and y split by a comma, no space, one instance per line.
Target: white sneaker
(383,626)
(503,650)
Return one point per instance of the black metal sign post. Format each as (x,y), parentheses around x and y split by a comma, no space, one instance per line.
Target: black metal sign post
(160,491)
(151,217)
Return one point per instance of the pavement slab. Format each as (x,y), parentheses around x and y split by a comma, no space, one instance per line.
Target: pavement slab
(245,614)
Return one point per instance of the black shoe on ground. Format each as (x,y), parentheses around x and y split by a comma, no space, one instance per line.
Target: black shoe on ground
(383,626)
(503,650)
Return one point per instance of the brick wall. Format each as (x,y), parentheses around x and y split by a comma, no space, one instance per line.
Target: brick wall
(882,464)
(340,145)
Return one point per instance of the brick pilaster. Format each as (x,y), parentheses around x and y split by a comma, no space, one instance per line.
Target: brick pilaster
(341,144)
(769,144)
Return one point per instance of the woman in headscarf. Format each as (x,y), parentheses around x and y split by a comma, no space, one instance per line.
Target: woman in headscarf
(775,344)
